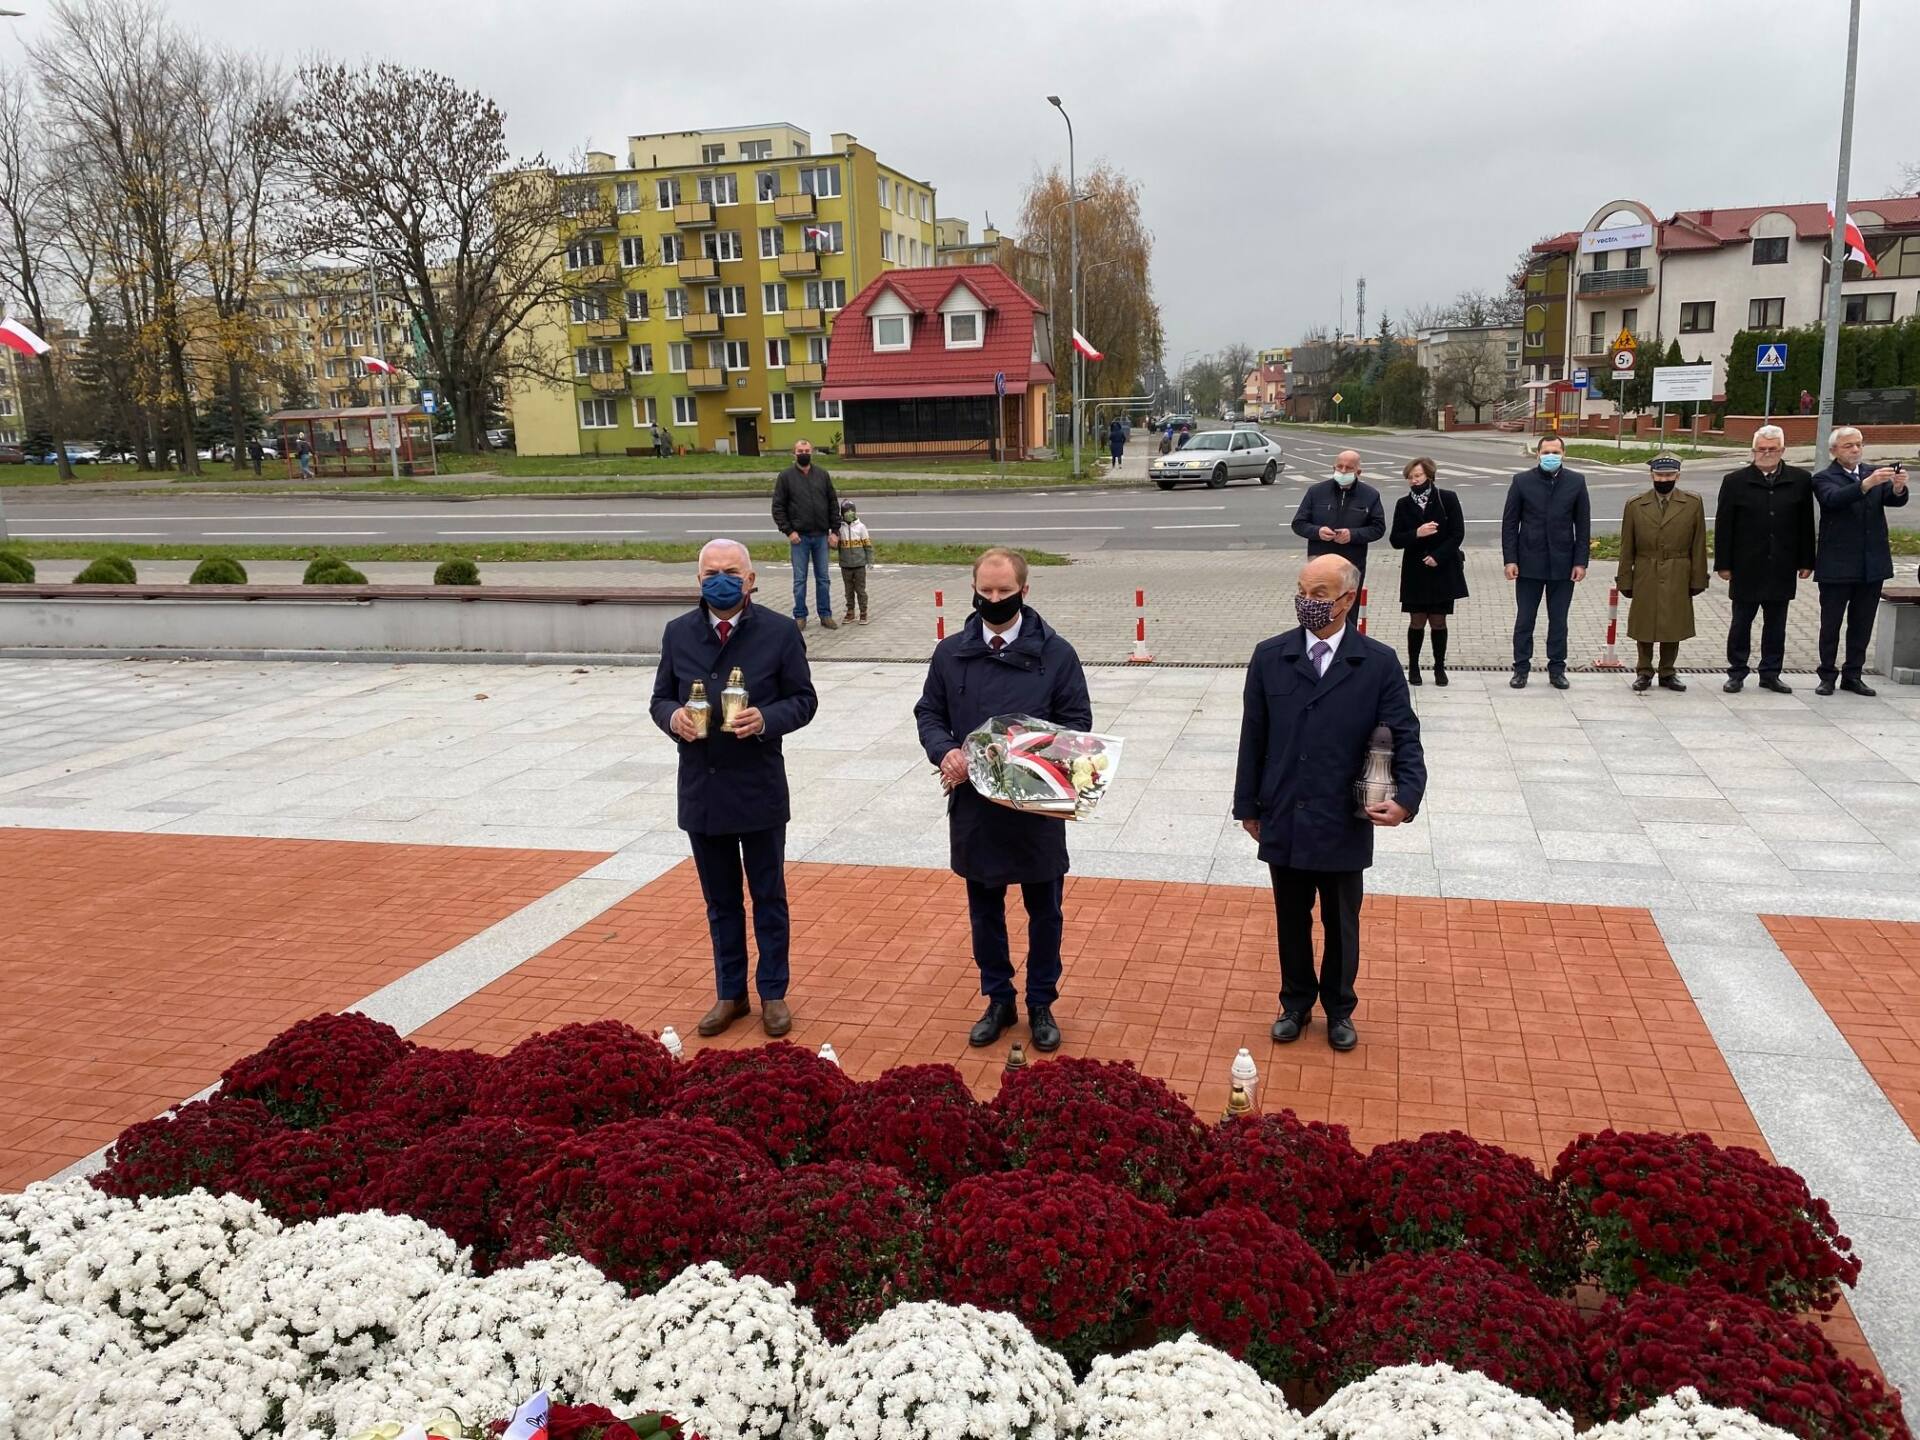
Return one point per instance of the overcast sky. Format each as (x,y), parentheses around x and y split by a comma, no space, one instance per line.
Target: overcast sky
(1283,148)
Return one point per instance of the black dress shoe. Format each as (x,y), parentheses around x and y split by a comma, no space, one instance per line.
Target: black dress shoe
(1288,1028)
(1734,687)
(1000,1017)
(1775,684)
(1825,687)
(1557,680)
(1858,687)
(1440,675)
(1673,682)
(1046,1034)
(1341,1035)
(1413,675)
(1642,682)
(1519,680)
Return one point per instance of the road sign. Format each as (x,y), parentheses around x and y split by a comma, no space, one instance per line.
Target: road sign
(1338,397)
(1625,341)
(1580,377)
(428,403)
(1000,382)
(1681,383)
(1770,359)
(1623,362)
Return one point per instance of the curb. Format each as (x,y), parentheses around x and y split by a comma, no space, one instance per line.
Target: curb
(191,496)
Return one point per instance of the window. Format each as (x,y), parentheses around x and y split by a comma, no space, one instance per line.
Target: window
(679,357)
(773,298)
(1630,321)
(779,354)
(636,305)
(825,236)
(720,189)
(1631,261)
(599,414)
(1601,259)
(626,196)
(1767,314)
(1898,258)
(1869,309)
(782,404)
(886,245)
(820,181)
(712,155)
(825,409)
(645,412)
(716,354)
(963,330)
(756,149)
(593,360)
(817,350)
(766,184)
(685,410)
(582,253)
(1771,250)
(826,294)
(722,245)
(890,332)
(666,193)
(773,241)
(1597,332)
(886,193)
(588,307)
(676,303)
(640,359)
(737,356)
(1696,317)
(727,299)
(633,250)
(673,249)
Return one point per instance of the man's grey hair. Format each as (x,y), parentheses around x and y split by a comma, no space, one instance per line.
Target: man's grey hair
(1769,432)
(719,541)
(1349,577)
(1843,432)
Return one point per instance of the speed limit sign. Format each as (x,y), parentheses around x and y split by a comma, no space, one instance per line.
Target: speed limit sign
(1622,361)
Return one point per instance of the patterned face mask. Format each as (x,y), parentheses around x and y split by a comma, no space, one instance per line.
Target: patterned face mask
(1314,614)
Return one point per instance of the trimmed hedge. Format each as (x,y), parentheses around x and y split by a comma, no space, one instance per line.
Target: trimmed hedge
(339,573)
(15,569)
(108,570)
(456,572)
(319,565)
(218,570)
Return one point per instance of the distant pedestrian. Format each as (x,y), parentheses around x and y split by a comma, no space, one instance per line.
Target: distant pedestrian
(807,510)
(1854,557)
(856,559)
(303,452)
(1166,440)
(1806,402)
(1342,515)
(1117,441)
(1663,565)
(256,453)
(1428,525)
(1546,542)
(1763,548)
(662,444)
(1186,434)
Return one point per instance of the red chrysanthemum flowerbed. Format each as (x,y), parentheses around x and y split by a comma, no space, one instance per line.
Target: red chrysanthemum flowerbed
(317,1069)
(579,1076)
(596,1422)
(779,1095)
(1066,1253)
(305,1174)
(199,1145)
(923,1121)
(1680,1208)
(1250,1287)
(1471,1312)
(431,1088)
(466,1180)
(1102,1119)
(850,1238)
(1303,1174)
(1737,1352)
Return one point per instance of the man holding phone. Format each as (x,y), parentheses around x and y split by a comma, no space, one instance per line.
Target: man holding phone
(1854,558)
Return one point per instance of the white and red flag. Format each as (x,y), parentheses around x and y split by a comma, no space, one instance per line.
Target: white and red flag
(375,365)
(1856,244)
(530,1420)
(1085,347)
(815,233)
(16,336)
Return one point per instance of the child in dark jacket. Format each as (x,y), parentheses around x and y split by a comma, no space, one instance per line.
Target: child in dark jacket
(856,558)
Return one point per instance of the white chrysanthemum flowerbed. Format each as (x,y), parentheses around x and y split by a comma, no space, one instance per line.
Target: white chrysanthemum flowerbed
(202,1317)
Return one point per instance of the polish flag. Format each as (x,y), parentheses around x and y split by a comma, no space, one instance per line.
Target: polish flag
(1085,347)
(16,336)
(1856,245)
(814,232)
(530,1420)
(376,366)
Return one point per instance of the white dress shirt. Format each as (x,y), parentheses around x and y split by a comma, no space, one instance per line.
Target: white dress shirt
(1333,647)
(1010,634)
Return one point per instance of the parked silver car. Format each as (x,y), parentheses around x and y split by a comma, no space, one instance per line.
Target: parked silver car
(1214,457)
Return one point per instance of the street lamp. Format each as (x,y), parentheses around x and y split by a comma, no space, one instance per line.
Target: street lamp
(1073,280)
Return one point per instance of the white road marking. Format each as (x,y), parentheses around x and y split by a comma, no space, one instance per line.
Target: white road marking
(100,534)
(541,532)
(1215,526)
(307,534)
(974,530)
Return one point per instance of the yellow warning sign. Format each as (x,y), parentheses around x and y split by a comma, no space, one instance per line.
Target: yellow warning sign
(1625,341)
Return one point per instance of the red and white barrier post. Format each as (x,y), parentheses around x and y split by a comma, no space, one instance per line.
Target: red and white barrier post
(1363,609)
(1141,655)
(939,615)
(1609,660)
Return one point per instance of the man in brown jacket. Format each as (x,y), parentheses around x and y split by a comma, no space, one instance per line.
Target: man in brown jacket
(1663,565)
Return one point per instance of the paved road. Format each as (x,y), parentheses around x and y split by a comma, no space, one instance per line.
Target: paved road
(1131,515)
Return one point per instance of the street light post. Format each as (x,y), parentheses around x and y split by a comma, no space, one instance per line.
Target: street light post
(1837,245)
(1073,280)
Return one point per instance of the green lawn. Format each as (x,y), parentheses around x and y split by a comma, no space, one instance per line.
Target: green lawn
(1640,454)
(845,482)
(1902,542)
(1304,425)
(897,552)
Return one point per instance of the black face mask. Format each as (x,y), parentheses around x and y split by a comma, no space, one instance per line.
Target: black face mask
(803,461)
(997,612)
(1665,487)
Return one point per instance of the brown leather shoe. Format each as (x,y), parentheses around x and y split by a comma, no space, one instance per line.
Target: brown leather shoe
(827,622)
(723,1014)
(776,1017)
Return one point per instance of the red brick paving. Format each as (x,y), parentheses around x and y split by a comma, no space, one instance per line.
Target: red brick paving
(138,966)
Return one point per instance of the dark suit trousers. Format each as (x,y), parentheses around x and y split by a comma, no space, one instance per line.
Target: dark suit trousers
(1856,604)
(1773,637)
(1339,893)
(720,860)
(1526,597)
(987,910)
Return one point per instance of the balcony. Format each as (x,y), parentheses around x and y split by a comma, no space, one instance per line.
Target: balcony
(594,217)
(706,379)
(700,323)
(596,275)
(800,262)
(793,207)
(694,215)
(1617,282)
(609,329)
(608,380)
(1600,347)
(699,267)
(801,321)
(806,374)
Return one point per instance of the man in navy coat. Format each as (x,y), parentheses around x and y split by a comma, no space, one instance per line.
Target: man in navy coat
(1314,697)
(1853,559)
(1006,660)
(733,788)
(1545,535)
(1341,516)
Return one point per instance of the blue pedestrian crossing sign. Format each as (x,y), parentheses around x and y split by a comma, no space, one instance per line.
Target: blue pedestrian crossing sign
(1769,359)
(999,382)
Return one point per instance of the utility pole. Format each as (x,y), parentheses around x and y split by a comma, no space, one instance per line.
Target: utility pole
(378,336)
(1360,309)
(1073,282)
(1837,244)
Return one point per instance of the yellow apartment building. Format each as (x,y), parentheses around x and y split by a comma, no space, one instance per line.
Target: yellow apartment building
(705,275)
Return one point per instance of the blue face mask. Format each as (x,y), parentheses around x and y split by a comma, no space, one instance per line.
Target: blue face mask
(1549,462)
(722,591)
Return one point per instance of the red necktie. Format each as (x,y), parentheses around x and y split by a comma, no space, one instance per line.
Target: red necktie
(725,627)
(997,644)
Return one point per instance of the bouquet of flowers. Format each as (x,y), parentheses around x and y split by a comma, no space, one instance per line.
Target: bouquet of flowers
(1027,764)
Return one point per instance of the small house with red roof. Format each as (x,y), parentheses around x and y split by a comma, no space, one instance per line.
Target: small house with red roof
(947,361)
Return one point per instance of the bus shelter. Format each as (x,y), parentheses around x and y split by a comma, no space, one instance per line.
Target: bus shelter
(355,441)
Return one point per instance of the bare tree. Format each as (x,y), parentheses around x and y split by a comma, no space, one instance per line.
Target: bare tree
(1471,372)
(1471,308)
(27,203)
(408,172)
(1416,318)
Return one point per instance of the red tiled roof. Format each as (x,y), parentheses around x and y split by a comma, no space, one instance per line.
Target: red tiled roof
(1710,229)
(856,372)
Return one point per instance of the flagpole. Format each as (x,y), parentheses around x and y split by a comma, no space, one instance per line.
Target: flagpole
(1837,245)
(386,373)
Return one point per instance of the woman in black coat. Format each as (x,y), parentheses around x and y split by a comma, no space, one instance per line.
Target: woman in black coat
(1428,526)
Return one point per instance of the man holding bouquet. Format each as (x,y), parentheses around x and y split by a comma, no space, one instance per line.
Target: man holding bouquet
(1313,700)
(1006,660)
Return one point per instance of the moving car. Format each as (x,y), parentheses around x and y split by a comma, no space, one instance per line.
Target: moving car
(1214,457)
